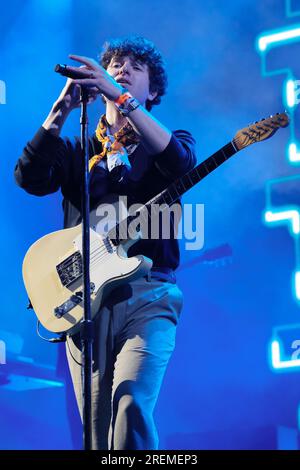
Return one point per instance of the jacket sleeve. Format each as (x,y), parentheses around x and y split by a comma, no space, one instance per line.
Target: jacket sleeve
(44,165)
(177,159)
(179,156)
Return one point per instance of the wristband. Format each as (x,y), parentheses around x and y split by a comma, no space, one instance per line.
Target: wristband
(123,97)
(126,103)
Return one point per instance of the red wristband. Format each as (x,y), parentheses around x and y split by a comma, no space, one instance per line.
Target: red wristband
(122,98)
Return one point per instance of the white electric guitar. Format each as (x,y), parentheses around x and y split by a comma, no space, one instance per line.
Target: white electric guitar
(52,267)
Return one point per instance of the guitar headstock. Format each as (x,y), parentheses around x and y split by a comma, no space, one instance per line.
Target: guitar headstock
(260,130)
(218,256)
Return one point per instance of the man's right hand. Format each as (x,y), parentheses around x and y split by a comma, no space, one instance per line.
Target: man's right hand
(70,96)
(68,100)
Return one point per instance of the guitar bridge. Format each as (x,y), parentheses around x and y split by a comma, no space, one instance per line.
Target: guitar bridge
(71,303)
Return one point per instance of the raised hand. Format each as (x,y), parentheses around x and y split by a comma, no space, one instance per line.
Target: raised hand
(96,78)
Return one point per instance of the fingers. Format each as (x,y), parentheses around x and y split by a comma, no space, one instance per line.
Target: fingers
(80,72)
(82,68)
(70,86)
(92,99)
(94,90)
(85,81)
(85,60)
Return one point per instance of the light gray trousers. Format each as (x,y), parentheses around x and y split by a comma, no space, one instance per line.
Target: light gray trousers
(134,339)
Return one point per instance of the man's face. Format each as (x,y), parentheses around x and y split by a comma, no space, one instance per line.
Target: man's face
(133,75)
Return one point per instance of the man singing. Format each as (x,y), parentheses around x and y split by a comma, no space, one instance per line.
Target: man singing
(131,154)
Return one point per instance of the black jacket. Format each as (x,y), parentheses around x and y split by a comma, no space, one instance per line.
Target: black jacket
(49,163)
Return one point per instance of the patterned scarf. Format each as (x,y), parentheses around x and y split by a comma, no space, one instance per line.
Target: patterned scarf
(113,145)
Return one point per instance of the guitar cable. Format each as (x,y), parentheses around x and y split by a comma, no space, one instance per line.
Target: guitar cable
(60,339)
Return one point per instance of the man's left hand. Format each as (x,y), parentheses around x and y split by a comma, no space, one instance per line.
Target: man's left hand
(96,77)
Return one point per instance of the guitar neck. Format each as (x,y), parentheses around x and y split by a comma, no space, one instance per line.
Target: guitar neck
(173,192)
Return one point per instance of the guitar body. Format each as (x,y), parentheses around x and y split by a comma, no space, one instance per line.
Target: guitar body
(51,262)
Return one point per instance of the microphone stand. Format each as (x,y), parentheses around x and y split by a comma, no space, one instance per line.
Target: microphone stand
(87,324)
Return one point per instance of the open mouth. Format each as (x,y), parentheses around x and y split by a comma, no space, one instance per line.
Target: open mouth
(123,81)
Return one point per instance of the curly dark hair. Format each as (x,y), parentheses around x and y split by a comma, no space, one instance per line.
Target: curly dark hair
(145,52)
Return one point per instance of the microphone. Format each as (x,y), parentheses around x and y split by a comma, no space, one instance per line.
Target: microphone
(64,70)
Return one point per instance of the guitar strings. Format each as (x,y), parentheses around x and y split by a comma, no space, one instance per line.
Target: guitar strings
(101,251)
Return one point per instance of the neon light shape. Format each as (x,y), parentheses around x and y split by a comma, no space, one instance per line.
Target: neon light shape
(277,363)
(277,37)
(291,216)
(297,285)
